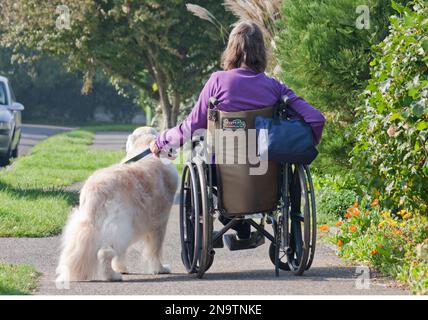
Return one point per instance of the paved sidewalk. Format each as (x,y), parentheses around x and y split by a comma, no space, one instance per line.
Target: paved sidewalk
(110,140)
(248,272)
(34,133)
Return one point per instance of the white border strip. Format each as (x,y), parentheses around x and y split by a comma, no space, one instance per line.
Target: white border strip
(216,298)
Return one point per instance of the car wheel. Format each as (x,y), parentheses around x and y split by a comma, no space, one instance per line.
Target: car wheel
(5,160)
(14,153)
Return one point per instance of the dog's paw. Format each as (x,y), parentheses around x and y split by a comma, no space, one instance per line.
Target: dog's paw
(116,276)
(120,269)
(119,265)
(164,269)
(62,282)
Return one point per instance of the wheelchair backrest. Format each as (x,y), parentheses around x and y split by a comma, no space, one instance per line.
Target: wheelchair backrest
(246,184)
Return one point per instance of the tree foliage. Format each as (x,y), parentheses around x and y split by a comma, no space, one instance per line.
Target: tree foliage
(156,46)
(51,94)
(261,12)
(322,52)
(391,150)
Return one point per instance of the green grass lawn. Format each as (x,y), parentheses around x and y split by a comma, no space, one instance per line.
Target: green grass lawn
(34,202)
(16,280)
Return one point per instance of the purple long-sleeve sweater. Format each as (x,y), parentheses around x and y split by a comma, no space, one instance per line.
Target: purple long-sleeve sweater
(236,90)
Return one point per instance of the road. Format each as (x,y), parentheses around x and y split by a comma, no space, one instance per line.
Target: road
(247,272)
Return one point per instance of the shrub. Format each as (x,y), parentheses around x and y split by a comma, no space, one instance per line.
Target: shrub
(390,155)
(323,55)
(333,157)
(394,243)
(333,196)
(332,204)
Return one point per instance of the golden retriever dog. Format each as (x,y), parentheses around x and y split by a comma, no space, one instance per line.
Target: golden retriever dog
(119,206)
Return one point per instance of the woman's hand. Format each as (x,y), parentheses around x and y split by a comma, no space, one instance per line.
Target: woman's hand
(154,149)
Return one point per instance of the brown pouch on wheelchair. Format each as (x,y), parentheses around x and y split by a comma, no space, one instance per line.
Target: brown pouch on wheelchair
(245,183)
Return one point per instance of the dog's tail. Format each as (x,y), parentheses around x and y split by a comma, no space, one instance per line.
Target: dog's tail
(81,241)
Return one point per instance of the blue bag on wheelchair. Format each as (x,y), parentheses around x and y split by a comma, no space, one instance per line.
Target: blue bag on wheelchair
(284,140)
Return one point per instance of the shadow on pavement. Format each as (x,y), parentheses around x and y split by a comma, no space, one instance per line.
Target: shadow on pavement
(316,274)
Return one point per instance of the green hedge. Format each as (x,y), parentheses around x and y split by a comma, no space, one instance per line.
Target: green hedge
(332,204)
(323,55)
(390,156)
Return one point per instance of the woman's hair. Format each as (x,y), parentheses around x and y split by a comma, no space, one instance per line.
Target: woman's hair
(246,45)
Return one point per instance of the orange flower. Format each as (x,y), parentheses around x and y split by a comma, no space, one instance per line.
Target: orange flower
(324,228)
(357,212)
(339,243)
(366,213)
(352,208)
(347,215)
(339,223)
(374,252)
(398,233)
(375,202)
(353,228)
(426,240)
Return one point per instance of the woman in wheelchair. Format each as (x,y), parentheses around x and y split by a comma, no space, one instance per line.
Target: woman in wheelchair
(242,86)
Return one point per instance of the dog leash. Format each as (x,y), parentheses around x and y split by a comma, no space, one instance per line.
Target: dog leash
(139,156)
(144,154)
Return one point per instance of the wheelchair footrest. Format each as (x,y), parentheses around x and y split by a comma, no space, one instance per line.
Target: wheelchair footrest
(219,242)
(233,243)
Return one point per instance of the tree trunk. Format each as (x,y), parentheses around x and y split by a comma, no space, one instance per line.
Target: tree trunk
(164,101)
(176,101)
(166,106)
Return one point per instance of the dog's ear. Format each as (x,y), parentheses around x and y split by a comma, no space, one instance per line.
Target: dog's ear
(144,130)
(130,141)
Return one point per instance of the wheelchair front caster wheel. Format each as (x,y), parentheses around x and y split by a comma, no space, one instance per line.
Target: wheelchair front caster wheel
(283,264)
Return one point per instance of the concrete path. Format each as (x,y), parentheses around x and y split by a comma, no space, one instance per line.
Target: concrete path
(33,134)
(248,272)
(110,140)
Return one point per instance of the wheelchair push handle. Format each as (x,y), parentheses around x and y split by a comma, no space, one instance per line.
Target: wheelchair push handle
(280,109)
(285,100)
(213,102)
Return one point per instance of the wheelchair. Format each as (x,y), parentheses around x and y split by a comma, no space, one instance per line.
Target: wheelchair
(282,197)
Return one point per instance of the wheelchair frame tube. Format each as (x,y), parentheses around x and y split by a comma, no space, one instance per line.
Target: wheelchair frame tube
(227,227)
(262,230)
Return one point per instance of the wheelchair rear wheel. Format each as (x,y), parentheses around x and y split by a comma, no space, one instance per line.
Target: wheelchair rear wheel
(196,224)
(295,233)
